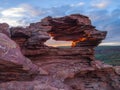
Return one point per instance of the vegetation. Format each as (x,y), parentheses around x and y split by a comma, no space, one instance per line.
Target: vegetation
(108,54)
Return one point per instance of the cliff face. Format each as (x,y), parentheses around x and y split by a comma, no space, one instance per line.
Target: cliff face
(26,63)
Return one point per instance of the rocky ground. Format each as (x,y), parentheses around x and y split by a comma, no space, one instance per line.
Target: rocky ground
(26,63)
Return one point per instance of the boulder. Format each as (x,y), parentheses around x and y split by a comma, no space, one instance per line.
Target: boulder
(4,28)
(12,62)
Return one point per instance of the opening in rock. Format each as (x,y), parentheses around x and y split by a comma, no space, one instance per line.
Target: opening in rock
(55,43)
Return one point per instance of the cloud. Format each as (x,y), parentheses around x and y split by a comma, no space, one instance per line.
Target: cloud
(100,5)
(21,15)
(107,21)
(110,44)
(13,12)
(78,4)
(58,11)
(116,12)
(9,21)
(32,11)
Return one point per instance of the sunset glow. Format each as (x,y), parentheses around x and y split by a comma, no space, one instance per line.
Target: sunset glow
(54,43)
(79,40)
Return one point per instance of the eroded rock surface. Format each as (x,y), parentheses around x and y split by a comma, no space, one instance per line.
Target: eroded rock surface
(13,65)
(4,28)
(76,28)
(50,68)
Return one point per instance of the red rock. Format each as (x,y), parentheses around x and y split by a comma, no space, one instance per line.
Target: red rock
(76,28)
(72,68)
(29,37)
(117,69)
(12,62)
(4,28)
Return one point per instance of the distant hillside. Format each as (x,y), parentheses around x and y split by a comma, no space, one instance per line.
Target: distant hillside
(108,54)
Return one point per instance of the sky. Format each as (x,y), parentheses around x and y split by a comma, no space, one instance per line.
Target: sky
(105,14)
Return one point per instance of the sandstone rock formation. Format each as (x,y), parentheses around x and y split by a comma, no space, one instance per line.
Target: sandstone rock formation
(4,28)
(50,68)
(13,65)
(76,28)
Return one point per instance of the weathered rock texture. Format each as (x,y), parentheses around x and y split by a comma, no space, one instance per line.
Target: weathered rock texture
(76,28)
(50,68)
(13,65)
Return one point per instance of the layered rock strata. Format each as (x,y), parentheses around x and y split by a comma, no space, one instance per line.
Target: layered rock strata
(13,65)
(35,66)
